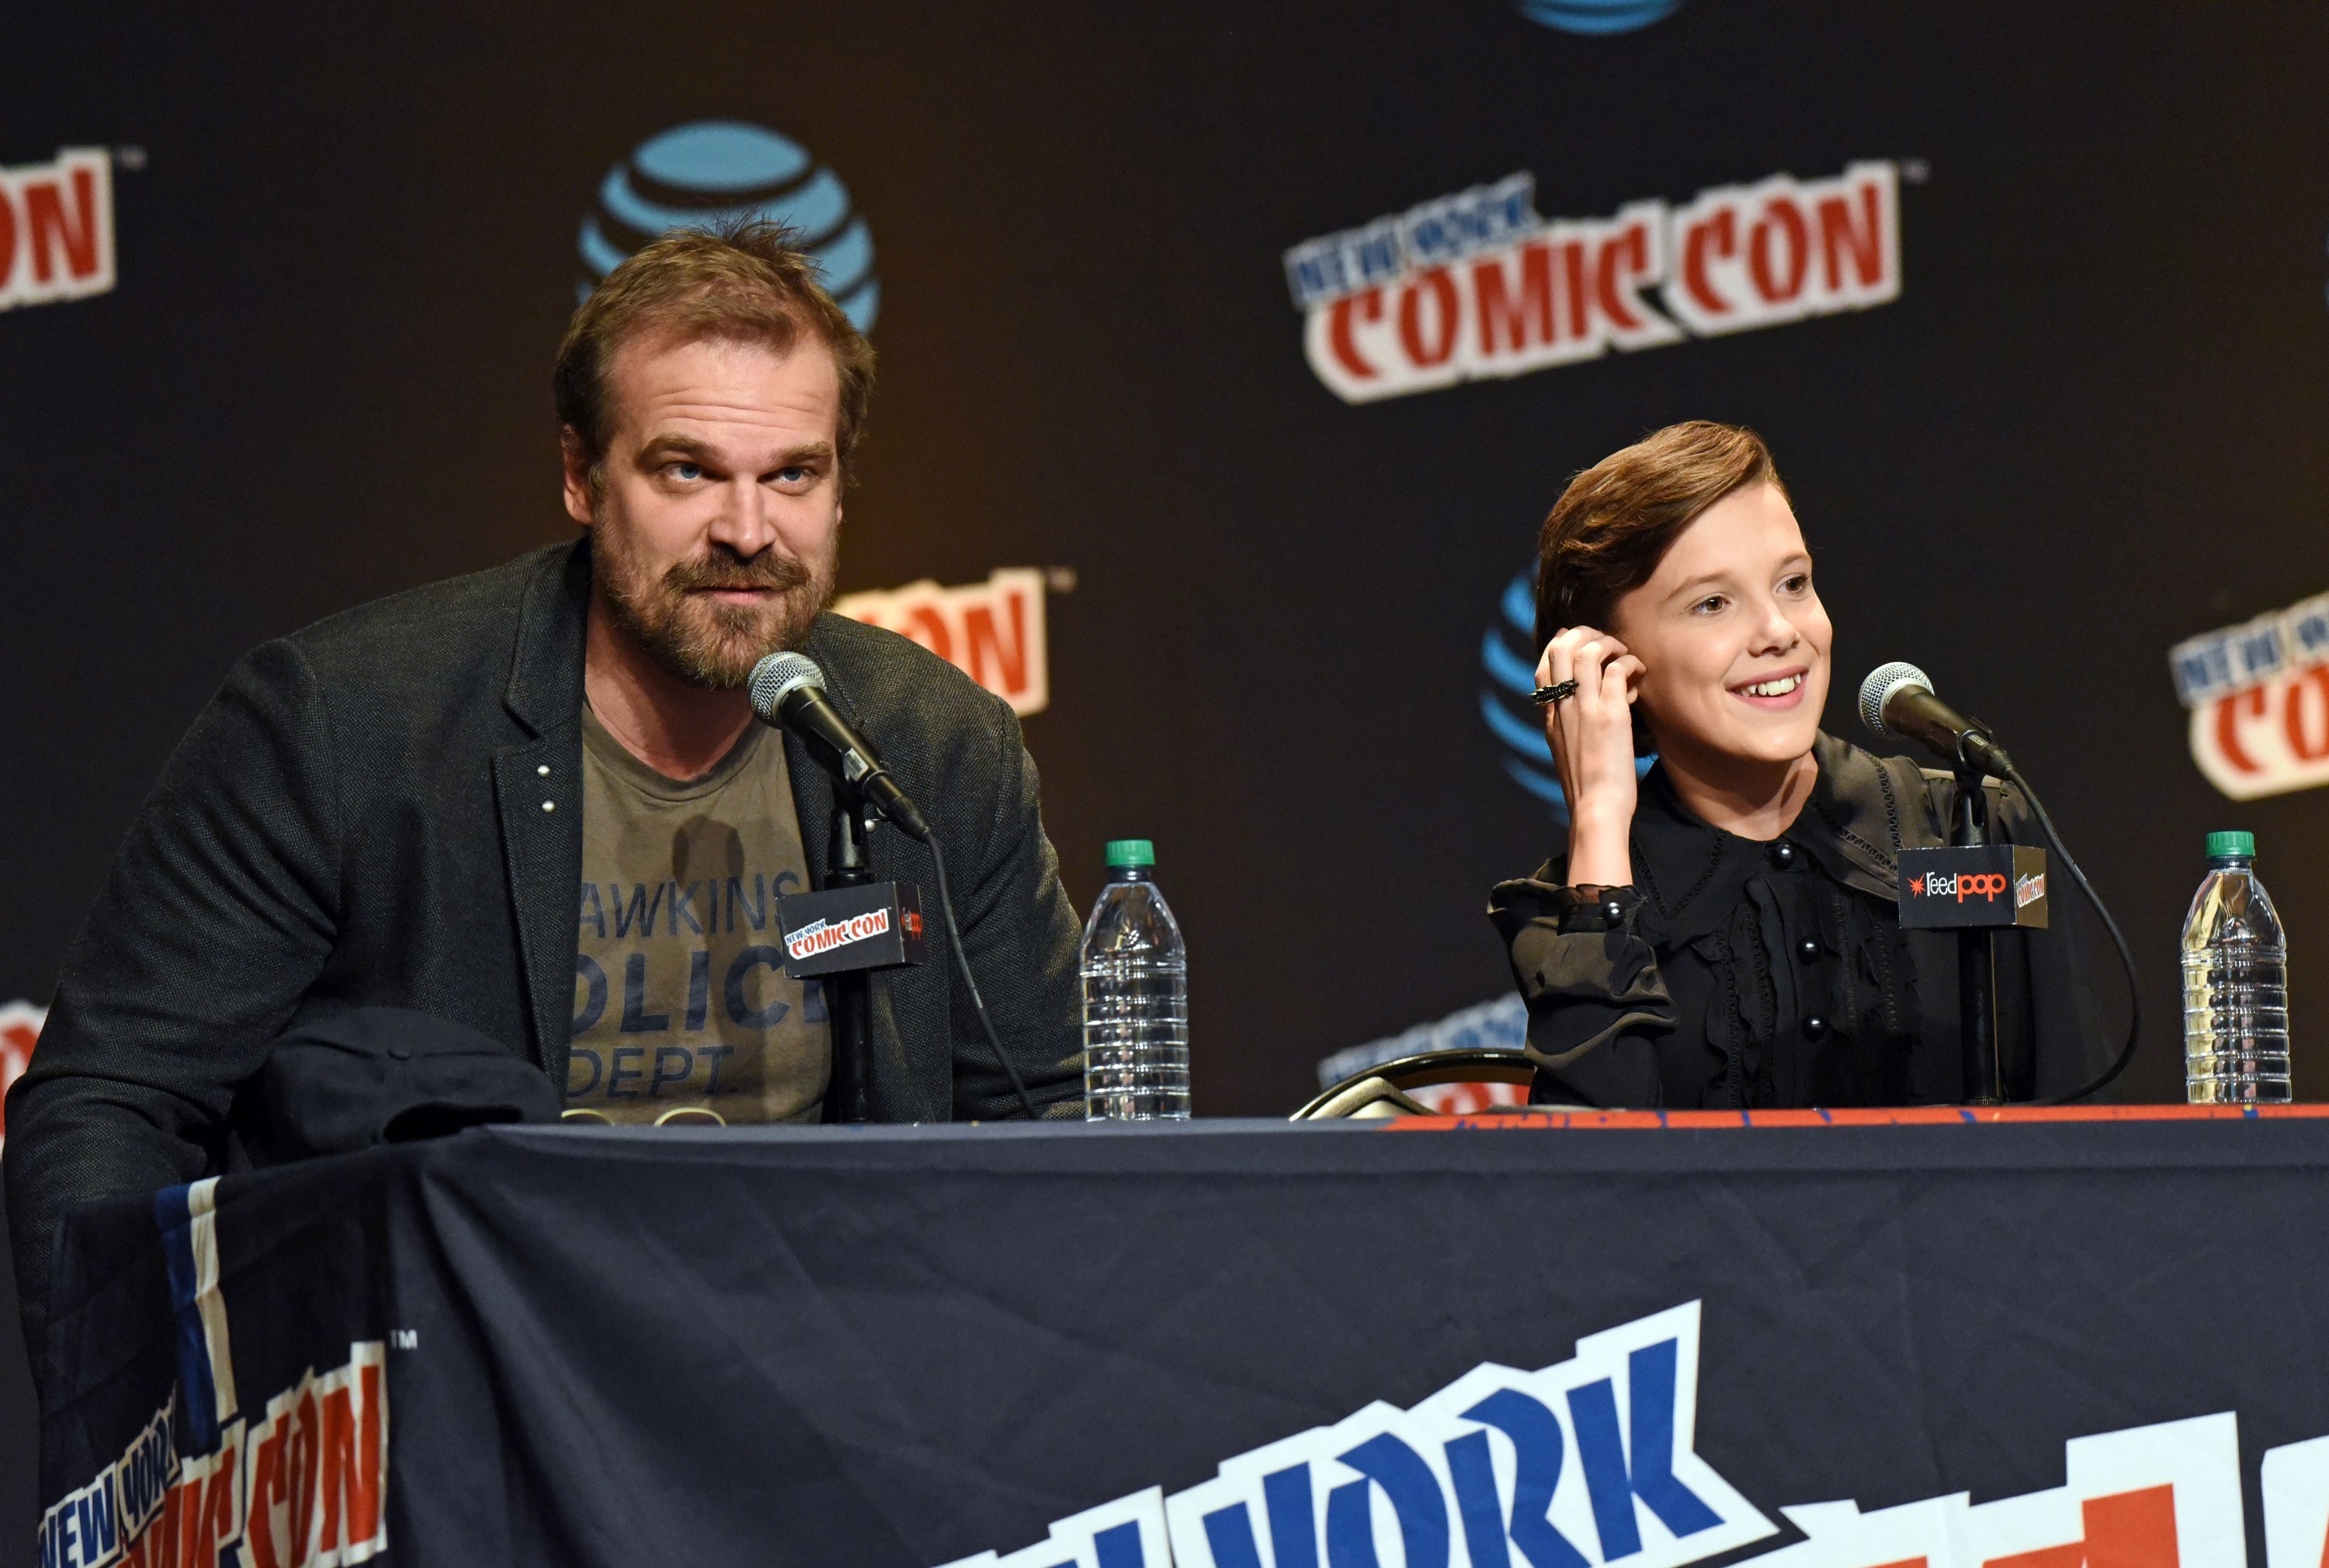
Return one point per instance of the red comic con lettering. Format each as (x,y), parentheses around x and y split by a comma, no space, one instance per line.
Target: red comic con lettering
(1782,223)
(20,1031)
(1623,265)
(1782,249)
(929,629)
(1446,313)
(56,232)
(1548,293)
(1716,235)
(1368,305)
(2302,743)
(992,630)
(2133,1529)
(1852,220)
(202,1514)
(319,1468)
(2229,712)
(56,229)
(996,663)
(351,1480)
(1513,323)
(1630,255)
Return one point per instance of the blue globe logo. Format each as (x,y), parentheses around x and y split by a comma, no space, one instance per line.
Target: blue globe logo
(1508,652)
(1597,17)
(722,170)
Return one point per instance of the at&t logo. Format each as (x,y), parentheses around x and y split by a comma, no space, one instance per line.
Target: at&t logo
(1599,17)
(717,171)
(1508,653)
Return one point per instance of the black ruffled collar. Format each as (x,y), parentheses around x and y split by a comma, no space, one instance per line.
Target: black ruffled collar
(1690,873)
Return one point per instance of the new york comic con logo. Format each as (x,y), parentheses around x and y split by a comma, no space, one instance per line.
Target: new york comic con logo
(824,935)
(1477,286)
(1592,1463)
(298,1480)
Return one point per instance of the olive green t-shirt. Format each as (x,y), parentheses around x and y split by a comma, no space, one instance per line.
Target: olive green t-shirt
(681,1000)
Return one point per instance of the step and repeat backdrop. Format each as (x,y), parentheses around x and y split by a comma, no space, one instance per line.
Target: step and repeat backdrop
(1228,362)
(1231,356)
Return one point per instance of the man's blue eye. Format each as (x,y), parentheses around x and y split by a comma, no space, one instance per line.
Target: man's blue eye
(687,471)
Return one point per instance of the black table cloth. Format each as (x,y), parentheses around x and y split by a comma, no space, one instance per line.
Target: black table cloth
(1550,1341)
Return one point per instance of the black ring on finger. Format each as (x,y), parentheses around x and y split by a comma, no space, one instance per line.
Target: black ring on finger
(1551,696)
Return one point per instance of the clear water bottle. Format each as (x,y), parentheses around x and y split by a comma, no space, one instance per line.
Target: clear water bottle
(1136,997)
(2235,984)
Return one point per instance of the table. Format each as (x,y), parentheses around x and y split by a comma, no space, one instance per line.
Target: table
(1526,1341)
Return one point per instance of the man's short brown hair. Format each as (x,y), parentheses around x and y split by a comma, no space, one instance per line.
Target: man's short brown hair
(747,283)
(1617,519)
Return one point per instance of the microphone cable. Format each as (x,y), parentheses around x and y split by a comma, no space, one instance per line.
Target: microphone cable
(2118,940)
(977,1002)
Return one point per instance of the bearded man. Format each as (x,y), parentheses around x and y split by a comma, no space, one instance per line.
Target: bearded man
(406,804)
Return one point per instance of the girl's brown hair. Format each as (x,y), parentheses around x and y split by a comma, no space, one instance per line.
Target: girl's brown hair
(1617,519)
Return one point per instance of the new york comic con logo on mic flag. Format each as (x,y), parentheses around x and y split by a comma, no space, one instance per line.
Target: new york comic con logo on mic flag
(1477,286)
(1593,1464)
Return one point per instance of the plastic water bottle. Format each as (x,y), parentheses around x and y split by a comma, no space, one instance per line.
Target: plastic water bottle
(1136,997)
(2235,984)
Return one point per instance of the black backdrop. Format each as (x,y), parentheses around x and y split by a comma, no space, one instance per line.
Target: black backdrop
(2092,424)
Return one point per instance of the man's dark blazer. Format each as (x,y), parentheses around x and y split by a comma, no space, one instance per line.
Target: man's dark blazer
(386,808)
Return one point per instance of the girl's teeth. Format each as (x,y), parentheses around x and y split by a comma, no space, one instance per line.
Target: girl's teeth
(1775,687)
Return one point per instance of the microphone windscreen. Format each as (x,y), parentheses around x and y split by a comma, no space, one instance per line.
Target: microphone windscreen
(777,677)
(1881,682)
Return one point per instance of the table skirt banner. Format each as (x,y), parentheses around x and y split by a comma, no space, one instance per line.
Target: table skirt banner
(2005,1341)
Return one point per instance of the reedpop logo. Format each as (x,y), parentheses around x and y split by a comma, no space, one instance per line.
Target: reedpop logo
(713,172)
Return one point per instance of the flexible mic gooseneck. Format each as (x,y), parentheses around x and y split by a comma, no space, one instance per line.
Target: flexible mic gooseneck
(787,693)
(1897,698)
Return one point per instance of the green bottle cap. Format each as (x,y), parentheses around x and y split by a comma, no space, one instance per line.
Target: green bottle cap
(2230,842)
(1139,853)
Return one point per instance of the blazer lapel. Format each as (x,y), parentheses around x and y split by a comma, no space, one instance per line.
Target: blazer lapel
(538,792)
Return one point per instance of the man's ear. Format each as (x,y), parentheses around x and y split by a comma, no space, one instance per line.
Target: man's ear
(581,480)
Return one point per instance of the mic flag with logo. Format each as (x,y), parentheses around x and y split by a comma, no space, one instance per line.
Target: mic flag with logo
(1996,885)
(875,925)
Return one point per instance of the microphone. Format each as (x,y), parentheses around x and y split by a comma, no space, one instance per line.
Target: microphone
(1897,698)
(788,693)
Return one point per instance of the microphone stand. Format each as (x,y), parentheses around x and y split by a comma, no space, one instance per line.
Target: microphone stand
(849,993)
(1976,958)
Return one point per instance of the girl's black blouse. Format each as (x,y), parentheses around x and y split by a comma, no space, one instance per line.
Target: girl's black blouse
(1739,974)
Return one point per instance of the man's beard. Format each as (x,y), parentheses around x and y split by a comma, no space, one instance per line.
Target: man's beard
(700,641)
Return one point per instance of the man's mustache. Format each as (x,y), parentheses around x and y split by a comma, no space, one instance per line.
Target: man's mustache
(769,569)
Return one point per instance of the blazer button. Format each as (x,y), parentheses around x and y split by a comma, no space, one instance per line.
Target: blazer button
(1807,950)
(1814,1027)
(1783,854)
